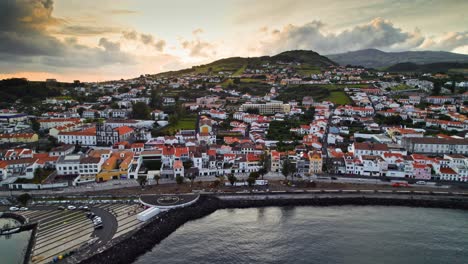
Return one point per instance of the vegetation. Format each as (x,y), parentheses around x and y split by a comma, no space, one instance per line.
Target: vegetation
(188,122)
(232,179)
(39,176)
(373,58)
(179,179)
(431,67)
(236,65)
(279,130)
(29,92)
(24,198)
(288,168)
(331,92)
(141,110)
(142,180)
(401,87)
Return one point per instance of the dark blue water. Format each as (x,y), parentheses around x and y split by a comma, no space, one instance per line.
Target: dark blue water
(13,247)
(347,234)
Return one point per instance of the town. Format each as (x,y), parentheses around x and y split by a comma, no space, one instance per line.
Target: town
(281,119)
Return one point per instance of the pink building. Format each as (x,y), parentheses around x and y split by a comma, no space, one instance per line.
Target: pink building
(421,171)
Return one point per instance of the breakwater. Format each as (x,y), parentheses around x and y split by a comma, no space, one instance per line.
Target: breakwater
(128,248)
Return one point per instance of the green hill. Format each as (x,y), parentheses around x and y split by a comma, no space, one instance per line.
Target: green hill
(29,91)
(310,62)
(374,58)
(430,67)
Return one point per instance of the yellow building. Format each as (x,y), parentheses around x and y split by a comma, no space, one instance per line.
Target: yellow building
(19,138)
(206,126)
(315,162)
(116,166)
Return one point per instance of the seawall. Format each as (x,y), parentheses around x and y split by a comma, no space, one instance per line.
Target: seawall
(128,248)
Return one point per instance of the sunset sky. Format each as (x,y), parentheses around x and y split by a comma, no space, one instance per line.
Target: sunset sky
(95,40)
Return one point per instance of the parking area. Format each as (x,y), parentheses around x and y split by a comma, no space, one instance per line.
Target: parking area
(59,231)
(125,216)
(62,231)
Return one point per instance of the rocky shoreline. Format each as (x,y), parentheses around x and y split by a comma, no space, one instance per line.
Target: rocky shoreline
(129,249)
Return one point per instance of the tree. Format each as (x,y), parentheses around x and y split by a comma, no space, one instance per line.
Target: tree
(288,168)
(251,180)
(155,99)
(157,178)
(254,175)
(141,111)
(222,179)
(192,177)
(262,172)
(232,179)
(453,87)
(35,125)
(24,198)
(114,105)
(437,88)
(38,172)
(309,114)
(80,111)
(142,181)
(179,179)
(187,164)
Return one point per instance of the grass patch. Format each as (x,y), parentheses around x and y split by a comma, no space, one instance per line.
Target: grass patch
(251,80)
(38,179)
(241,70)
(339,97)
(307,70)
(332,92)
(183,123)
(401,87)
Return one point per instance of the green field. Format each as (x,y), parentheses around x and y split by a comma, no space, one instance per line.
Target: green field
(339,97)
(401,87)
(240,70)
(306,70)
(183,123)
(323,92)
(251,80)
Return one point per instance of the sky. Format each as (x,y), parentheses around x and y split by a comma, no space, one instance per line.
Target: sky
(98,40)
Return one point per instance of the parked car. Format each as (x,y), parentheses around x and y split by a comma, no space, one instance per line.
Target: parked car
(71,207)
(14,208)
(90,215)
(98,226)
(84,207)
(23,209)
(421,183)
(60,208)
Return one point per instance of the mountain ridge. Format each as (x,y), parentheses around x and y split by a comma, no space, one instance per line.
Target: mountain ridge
(375,58)
(236,65)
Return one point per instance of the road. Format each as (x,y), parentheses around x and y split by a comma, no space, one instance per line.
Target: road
(117,184)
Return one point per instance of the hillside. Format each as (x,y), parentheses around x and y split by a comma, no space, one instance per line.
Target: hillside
(310,62)
(374,58)
(29,91)
(430,67)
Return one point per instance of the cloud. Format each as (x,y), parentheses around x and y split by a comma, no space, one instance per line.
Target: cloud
(28,44)
(130,35)
(198,31)
(79,30)
(123,12)
(109,45)
(198,47)
(378,33)
(146,39)
(449,41)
